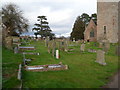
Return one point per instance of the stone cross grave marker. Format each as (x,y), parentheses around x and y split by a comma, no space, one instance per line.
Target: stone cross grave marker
(101,57)
(82,48)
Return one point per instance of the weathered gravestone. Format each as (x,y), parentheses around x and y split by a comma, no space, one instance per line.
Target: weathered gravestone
(66,46)
(73,39)
(8,43)
(100,44)
(16,40)
(106,45)
(101,57)
(19,72)
(46,41)
(16,50)
(49,47)
(82,48)
(53,48)
(62,45)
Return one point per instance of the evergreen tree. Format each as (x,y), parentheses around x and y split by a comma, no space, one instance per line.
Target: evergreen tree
(42,27)
(78,29)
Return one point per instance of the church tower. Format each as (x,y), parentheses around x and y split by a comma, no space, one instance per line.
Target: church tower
(107,20)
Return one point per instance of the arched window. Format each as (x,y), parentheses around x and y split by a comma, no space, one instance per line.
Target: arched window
(92,33)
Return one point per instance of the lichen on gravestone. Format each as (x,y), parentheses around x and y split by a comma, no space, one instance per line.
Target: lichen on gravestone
(101,57)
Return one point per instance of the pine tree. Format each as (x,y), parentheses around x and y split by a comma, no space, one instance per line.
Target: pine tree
(42,27)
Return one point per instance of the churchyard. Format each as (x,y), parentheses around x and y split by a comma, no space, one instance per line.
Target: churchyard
(87,65)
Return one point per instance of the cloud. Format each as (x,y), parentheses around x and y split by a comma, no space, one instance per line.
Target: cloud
(61,14)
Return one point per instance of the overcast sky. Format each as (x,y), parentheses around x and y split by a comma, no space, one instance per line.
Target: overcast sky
(61,14)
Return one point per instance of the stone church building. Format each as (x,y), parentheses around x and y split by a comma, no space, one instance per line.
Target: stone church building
(107,20)
(108,15)
(90,33)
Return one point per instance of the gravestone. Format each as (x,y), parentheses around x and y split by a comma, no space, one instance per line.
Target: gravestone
(66,46)
(82,48)
(106,45)
(100,44)
(101,57)
(16,39)
(53,48)
(46,41)
(62,45)
(49,46)
(57,54)
(16,50)
(8,42)
(19,72)
(73,39)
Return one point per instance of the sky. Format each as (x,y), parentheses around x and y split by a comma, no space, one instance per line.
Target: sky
(61,14)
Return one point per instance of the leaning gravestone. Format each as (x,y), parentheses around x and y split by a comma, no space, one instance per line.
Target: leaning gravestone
(101,57)
(82,48)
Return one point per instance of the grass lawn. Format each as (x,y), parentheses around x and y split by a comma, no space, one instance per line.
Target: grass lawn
(83,71)
(10,62)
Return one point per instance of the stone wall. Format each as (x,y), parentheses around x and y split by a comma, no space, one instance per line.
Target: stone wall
(107,15)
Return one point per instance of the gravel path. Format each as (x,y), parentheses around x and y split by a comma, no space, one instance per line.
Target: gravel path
(115,81)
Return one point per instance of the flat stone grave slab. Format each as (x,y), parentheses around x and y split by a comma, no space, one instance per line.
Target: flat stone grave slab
(31,53)
(92,50)
(51,67)
(26,48)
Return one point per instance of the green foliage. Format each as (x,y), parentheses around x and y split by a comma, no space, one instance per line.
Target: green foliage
(42,27)
(80,24)
(78,29)
(85,18)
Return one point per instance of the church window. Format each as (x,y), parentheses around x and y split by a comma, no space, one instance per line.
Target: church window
(104,29)
(92,33)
